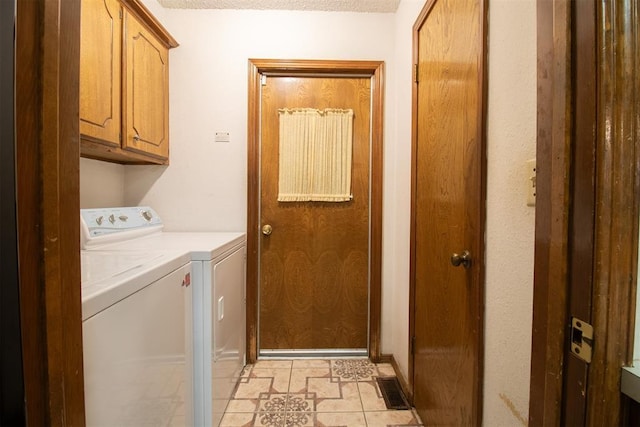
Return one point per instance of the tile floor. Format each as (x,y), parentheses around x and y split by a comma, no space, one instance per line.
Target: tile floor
(304,392)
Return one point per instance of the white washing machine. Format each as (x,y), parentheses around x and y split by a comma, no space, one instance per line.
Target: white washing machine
(218,286)
(137,348)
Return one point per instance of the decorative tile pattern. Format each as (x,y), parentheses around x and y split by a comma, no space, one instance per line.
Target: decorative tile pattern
(313,392)
(353,369)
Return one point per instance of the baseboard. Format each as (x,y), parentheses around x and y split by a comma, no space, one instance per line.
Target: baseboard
(404,384)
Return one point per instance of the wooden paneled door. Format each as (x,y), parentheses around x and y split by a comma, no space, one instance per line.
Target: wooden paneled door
(100,70)
(145,90)
(448,204)
(314,259)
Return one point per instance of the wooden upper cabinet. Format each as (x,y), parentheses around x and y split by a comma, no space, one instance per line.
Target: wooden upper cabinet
(124,83)
(101,46)
(145,84)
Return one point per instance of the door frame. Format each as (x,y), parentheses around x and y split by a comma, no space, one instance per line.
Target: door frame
(479,250)
(285,67)
(615,228)
(48,202)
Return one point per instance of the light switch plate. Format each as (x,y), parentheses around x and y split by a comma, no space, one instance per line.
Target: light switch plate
(531,182)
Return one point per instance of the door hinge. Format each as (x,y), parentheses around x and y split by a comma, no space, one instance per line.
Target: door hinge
(263,80)
(581,339)
(415,73)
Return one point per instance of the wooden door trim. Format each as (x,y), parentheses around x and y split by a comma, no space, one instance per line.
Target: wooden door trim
(615,243)
(617,208)
(552,221)
(479,188)
(375,69)
(47,159)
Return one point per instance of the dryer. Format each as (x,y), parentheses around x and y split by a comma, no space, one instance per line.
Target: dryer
(218,284)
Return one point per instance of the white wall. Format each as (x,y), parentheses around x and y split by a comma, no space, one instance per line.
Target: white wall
(397,194)
(207,180)
(208,93)
(101,184)
(510,223)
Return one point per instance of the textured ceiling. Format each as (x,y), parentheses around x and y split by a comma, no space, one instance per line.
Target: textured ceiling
(378,6)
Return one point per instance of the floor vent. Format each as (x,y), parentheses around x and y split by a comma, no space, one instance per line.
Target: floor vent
(392,393)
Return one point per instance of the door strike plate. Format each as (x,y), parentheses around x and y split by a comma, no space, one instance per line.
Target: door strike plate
(581,339)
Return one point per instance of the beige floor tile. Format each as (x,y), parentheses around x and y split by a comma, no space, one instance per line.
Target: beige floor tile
(324,388)
(237,420)
(253,388)
(279,376)
(300,378)
(311,363)
(246,371)
(281,364)
(348,402)
(314,392)
(371,398)
(385,370)
(340,419)
(390,418)
(242,405)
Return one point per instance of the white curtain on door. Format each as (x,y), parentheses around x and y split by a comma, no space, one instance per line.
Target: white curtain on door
(315,155)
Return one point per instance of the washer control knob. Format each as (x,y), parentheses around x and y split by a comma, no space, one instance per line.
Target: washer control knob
(123,218)
(147,215)
(112,219)
(99,220)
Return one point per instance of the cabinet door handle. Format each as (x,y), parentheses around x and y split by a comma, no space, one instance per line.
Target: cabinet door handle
(136,137)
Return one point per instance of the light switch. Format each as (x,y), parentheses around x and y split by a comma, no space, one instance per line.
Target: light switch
(531,182)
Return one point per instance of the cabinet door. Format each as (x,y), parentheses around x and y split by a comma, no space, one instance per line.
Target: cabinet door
(100,59)
(146,86)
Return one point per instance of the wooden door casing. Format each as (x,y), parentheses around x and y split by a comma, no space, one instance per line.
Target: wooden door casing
(374,69)
(448,209)
(314,266)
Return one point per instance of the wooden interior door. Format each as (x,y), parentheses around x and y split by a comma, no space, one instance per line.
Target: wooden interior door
(448,206)
(314,266)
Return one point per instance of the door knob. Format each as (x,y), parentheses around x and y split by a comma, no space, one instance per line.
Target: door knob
(267,230)
(464,258)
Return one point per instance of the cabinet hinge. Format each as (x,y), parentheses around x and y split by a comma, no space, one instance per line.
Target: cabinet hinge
(415,73)
(263,80)
(581,337)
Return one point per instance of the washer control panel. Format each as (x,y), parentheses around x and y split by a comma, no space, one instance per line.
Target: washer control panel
(119,220)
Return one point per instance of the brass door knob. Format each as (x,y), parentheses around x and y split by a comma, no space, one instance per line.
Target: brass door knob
(267,230)
(463,259)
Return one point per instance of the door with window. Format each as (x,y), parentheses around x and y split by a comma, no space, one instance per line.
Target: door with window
(313,257)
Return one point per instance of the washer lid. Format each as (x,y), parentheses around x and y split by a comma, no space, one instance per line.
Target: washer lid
(108,277)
